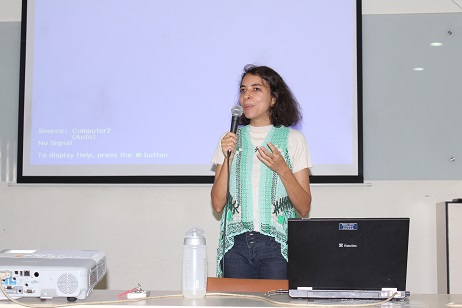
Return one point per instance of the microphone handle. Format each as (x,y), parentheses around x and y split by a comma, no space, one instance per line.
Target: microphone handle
(234,124)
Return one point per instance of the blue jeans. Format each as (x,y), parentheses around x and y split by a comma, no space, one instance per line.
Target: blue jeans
(255,256)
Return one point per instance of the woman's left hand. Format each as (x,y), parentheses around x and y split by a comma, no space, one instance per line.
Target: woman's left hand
(296,184)
(273,159)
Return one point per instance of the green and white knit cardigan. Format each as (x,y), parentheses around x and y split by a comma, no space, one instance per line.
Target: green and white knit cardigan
(274,206)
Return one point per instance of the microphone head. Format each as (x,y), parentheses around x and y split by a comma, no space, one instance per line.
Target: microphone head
(236,111)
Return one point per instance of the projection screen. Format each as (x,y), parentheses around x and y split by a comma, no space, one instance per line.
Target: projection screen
(140,91)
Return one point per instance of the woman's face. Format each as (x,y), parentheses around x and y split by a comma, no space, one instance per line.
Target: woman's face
(256,100)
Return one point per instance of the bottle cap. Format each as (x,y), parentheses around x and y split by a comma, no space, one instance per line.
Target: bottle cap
(194,236)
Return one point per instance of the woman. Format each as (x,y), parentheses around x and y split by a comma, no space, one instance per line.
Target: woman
(269,179)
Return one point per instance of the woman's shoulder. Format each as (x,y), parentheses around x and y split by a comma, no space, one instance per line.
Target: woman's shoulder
(296,134)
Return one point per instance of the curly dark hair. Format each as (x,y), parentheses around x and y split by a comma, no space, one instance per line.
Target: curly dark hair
(286,111)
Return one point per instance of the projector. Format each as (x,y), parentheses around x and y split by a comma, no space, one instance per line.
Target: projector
(51,273)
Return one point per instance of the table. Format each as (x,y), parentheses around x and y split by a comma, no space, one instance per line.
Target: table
(213,300)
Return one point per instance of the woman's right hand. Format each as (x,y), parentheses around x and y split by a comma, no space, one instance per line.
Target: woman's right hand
(228,143)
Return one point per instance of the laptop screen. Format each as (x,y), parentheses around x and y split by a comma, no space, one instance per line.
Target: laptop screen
(348,253)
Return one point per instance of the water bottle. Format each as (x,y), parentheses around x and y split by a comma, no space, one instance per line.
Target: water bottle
(194,264)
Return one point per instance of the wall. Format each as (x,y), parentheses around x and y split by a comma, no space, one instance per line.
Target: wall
(141,228)
(412,127)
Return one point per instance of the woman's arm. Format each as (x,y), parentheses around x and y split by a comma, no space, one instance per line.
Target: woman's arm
(298,189)
(220,184)
(220,187)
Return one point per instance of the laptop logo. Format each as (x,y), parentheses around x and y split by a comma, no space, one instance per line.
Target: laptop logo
(348,226)
(343,245)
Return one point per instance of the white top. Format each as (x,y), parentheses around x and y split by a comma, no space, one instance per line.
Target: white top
(298,152)
(298,148)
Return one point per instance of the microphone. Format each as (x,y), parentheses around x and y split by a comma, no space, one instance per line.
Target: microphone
(236,113)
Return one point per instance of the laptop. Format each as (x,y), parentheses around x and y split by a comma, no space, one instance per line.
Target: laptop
(348,258)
